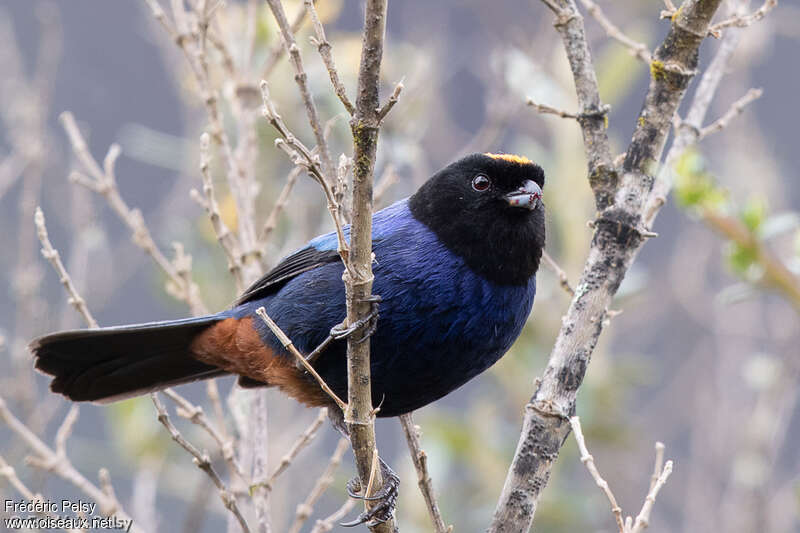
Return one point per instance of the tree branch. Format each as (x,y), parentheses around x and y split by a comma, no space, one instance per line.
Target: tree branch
(420,460)
(593,116)
(365,125)
(618,236)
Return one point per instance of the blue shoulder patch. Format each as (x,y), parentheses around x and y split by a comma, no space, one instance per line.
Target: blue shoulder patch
(383,224)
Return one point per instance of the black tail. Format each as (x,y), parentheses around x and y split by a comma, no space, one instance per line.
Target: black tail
(109,364)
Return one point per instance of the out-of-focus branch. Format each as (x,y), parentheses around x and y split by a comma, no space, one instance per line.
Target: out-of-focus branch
(659,479)
(324,48)
(689,129)
(563,280)
(301,442)
(8,472)
(637,49)
(196,415)
(52,255)
(305,509)
(742,21)
(202,461)
(60,465)
(593,114)
(588,462)
(301,78)
(227,239)
(776,274)
(420,460)
(365,125)
(280,204)
(735,110)
(618,236)
(103,181)
(327,524)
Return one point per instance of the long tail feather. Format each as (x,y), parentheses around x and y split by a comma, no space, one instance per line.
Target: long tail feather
(110,364)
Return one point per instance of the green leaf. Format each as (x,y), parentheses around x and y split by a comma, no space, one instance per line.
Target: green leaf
(754,213)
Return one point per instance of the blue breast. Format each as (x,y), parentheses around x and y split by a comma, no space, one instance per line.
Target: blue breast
(440,324)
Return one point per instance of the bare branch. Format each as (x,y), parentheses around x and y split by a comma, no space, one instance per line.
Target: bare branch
(305,509)
(52,255)
(619,233)
(736,109)
(546,109)
(280,204)
(8,472)
(323,526)
(103,182)
(658,464)
(196,415)
(277,51)
(384,110)
(324,48)
(301,78)
(588,461)
(643,518)
(602,174)
(287,343)
(742,21)
(637,49)
(302,441)
(60,465)
(202,461)
(563,280)
(360,415)
(420,460)
(227,240)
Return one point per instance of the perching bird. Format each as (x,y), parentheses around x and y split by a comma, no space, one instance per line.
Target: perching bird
(455,268)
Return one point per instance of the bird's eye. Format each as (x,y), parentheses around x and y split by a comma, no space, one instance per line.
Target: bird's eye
(481,183)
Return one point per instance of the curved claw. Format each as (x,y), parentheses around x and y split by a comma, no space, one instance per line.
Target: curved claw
(386,499)
(341,331)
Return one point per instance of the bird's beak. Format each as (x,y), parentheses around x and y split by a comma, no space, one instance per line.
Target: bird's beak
(528,196)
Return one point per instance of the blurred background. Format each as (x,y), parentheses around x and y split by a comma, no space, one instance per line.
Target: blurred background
(702,358)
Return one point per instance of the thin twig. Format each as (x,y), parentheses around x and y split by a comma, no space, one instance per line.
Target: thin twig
(302,441)
(301,78)
(736,109)
(563,280)
(393,98)
(546,109)
(637,49)
(328,523)
(52,255)
(305,509)
(657,465)
(49,460)
(202,461)
(324,48)
(8,472)
(227,239)
(280,204)
(287,343)
(742,21)
(643,518)
(588,461)
(420,460)
(103,182)
(196,415)
(277,50)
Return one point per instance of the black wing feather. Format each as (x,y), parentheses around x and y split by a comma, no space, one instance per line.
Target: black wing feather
(301,261)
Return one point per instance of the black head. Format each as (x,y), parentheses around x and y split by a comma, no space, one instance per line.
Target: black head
(487,209)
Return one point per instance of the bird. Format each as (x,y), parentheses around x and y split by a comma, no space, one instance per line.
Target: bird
(454,277)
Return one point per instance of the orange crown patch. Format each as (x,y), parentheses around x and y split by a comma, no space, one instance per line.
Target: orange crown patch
(511,158)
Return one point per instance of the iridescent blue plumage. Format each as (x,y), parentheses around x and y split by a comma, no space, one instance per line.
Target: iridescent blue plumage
(440,323)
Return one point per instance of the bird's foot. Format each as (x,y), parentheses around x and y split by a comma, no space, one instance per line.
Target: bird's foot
(370,321)
(385,499)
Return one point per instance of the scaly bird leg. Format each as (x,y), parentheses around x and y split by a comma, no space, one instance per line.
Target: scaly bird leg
(386,498)
(341,331)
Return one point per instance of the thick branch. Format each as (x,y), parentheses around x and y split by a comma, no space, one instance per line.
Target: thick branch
(593,116)
(617,238)
(365,125)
